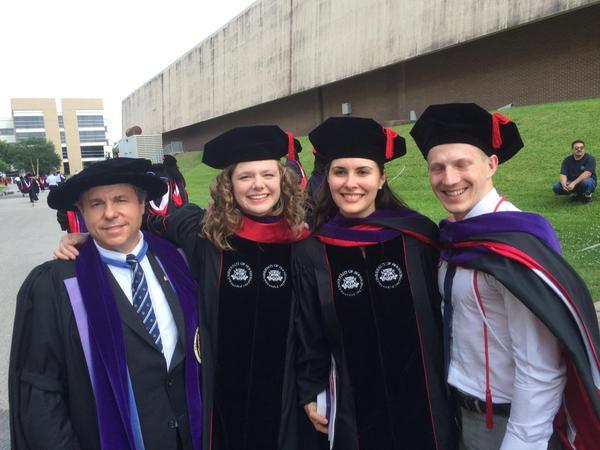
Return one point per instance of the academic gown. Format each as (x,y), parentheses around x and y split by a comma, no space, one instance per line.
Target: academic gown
(521,251)
(246,313)
(376,310)
(52,403)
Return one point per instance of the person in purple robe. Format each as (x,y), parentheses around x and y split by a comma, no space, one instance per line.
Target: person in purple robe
(103,349)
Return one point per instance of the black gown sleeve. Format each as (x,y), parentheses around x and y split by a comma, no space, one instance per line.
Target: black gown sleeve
(37,374)
(313,356)
(181,228)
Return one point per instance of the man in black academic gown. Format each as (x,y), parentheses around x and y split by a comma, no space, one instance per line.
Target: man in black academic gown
(102,354)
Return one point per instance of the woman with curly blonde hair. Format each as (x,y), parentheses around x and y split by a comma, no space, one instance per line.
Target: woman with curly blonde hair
(225,217)
(239,250)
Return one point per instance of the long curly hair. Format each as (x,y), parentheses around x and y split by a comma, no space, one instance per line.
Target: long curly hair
(326,208)
(224,217)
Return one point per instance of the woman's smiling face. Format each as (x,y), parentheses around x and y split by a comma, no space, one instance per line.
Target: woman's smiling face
(354,183)
(257,186)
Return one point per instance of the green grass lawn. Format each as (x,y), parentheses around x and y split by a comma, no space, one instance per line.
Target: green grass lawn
(525,180)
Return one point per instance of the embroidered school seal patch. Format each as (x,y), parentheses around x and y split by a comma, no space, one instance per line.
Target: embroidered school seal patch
(274,276)
(239,274)
(388,275)
(350,283)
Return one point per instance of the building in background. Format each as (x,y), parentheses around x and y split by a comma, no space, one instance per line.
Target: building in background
(74,125)
(295,63)
(147,146)
(7,130)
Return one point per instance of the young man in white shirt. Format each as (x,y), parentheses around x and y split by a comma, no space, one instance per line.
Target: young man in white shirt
(504,366)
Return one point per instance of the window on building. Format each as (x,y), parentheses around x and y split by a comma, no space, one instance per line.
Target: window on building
(7,131)
(90,121)
(30,134)
(61,122)
(64,153)
(92,151)
(92,136)
(62,138)
(29,121)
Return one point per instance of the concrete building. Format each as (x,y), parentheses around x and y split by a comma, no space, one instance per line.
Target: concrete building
(296,63)
(74,125)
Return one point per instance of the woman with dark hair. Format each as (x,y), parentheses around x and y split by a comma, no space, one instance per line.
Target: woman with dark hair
(239,250)
(369,361)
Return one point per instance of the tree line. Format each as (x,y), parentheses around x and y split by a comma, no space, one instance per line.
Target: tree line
(35,155)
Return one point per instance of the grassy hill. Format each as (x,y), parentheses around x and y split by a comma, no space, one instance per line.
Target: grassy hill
(525,180)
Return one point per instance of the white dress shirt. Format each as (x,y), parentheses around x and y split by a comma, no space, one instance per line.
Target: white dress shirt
(526,369)
(162,311)
(52,180)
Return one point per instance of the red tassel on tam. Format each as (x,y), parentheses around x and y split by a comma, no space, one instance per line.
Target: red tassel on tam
(389,143)
(175,194)
(497,120)
(291,148)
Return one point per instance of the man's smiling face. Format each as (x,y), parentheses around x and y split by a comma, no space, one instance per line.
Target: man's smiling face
(460,176)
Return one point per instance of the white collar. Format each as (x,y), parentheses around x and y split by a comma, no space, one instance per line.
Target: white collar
(486,205)
(111,254)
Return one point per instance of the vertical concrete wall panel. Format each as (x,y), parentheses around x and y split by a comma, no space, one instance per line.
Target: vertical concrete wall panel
(244,64)
(145,107)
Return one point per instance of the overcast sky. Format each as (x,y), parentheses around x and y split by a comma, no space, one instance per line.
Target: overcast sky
(100,49)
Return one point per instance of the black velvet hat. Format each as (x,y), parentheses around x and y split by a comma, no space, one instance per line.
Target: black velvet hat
(467,123)
(103,173)
(159,170)
(255,143)
(356,137)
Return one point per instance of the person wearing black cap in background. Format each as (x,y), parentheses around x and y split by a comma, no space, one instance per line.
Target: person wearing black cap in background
(176,195)
(370,344)
(512,302)
(31,187)
(102,355)
(239,249)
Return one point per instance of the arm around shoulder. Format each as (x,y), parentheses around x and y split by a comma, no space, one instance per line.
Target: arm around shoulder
(181,227)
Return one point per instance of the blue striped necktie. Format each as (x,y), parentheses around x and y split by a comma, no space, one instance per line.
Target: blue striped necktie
(141,296)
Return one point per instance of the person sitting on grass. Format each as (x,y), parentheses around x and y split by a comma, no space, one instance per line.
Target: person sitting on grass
(577,174)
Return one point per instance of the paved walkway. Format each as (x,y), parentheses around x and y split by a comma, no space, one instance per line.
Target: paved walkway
(28,236)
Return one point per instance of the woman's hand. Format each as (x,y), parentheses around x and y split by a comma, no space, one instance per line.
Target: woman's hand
(319,422)
(67,246)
